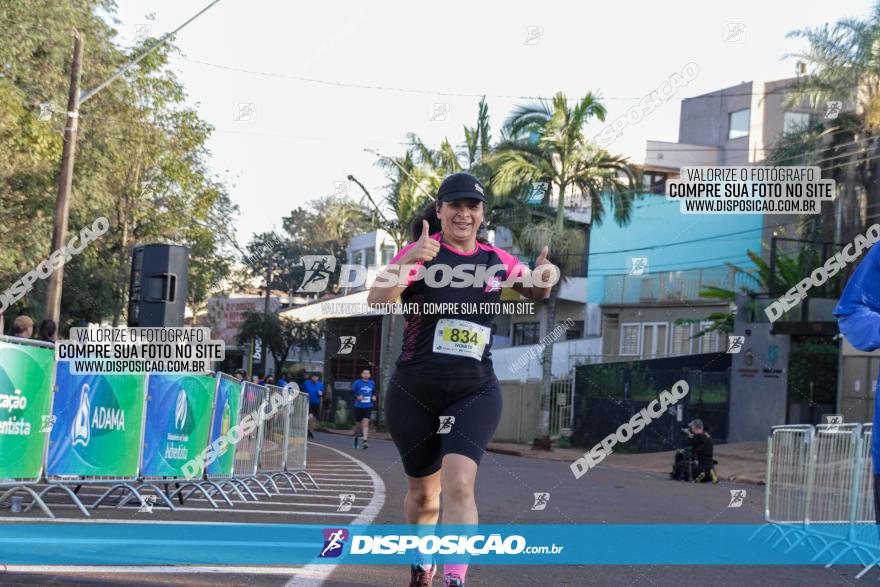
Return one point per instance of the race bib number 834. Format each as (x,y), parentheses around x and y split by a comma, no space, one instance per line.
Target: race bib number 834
(460,337)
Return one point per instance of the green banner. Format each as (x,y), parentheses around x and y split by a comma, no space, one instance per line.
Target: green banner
(25,397)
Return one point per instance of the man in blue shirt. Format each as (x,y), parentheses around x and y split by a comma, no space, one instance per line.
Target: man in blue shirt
(858,316)
(315,389)
(363,390)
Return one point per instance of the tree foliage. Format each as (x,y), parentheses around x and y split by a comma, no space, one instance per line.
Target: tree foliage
(141,160)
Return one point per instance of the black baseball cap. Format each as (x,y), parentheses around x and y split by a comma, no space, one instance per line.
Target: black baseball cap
(461,185)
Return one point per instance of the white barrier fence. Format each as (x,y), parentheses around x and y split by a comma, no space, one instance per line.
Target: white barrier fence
(820,492)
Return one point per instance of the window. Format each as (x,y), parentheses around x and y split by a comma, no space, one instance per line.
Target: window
(709,342)
(681,339)
(365,257)
(387,254)
(629,339)
(654,340)
(794,122)
(738,124)
(525,333)
(654,182)
(576,331)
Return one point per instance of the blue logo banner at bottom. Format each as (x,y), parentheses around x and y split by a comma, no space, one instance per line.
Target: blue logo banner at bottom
(527,544)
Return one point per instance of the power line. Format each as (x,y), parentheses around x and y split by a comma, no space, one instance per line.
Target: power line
(696,240)
(448,93)
(164,39)
(616,271)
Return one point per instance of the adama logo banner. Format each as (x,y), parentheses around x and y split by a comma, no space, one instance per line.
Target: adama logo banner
(98,424)
(178,421)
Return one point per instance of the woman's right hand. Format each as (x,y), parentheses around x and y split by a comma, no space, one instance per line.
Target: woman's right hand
(425,248)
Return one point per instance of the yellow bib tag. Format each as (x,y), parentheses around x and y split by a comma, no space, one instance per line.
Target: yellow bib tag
(460,337)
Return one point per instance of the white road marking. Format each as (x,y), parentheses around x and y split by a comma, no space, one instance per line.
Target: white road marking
(183,569)
(312,575)
(206,509)
(307,577)
(223,507)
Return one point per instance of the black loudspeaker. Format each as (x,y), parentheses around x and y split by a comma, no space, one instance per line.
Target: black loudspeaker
(158,288)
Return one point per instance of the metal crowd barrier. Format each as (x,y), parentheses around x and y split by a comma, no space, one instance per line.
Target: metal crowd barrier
(271,455)
(152,481)
(14,484)
(219,481)
(247,452)
(275,449)
(819,492)
(64,479)
(200,483)
(296,447)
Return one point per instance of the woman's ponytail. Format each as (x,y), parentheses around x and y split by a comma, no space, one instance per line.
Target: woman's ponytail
(429,213)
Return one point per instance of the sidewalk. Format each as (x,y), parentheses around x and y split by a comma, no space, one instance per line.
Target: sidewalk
(743,462)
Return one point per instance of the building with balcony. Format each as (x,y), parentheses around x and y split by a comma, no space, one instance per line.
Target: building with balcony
(735,126)
(646,276)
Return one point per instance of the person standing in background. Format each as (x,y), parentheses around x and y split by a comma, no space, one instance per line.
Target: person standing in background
(315,389)
(364,390)
(23,327)
(46,331)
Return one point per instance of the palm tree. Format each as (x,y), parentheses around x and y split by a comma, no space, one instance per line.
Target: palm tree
(545,143)
(404,198)
(420,171)
(842,62)
(788,271)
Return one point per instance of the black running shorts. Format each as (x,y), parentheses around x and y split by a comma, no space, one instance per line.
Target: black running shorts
(418,411)
(361,413)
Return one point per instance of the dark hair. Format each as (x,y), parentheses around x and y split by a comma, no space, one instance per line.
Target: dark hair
(47,328)
(429,213)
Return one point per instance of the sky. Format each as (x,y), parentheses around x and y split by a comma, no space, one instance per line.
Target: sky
(297,90)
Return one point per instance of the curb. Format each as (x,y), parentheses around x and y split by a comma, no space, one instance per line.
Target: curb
(386,436)
(529,455)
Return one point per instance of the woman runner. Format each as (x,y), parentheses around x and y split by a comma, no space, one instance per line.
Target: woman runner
(444,401)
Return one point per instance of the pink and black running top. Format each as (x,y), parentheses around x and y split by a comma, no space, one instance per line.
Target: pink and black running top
(417,354)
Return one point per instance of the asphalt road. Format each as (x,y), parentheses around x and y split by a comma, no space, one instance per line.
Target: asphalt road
(505,489)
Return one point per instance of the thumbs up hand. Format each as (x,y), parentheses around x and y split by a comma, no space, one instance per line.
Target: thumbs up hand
(542,258)
(425,248)
(544,275)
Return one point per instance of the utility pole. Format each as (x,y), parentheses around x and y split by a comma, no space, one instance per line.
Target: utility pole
(65,179)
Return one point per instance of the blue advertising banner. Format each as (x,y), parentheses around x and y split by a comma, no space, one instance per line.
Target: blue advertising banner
(98,424)
(525,544)
(178,422)
(225,417)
